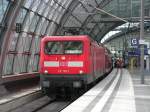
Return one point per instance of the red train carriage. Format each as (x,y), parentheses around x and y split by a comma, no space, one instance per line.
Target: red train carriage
(108,60)
(71,61)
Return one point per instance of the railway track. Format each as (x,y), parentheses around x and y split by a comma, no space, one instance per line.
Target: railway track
(9,103)
(56,106)
(43,104)
(35,102)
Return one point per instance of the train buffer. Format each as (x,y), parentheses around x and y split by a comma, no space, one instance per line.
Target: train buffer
(120,91)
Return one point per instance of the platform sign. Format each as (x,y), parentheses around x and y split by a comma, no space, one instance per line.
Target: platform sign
(137,51)
(134,42)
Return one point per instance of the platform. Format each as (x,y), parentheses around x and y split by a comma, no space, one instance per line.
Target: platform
(120,91)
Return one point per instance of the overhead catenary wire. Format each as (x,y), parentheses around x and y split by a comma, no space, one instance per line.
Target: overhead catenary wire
(103,11)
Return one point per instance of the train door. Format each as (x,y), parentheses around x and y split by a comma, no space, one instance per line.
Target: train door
(104,62)
(94,62)
(93,53)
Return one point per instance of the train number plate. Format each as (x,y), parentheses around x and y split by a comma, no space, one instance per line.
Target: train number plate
(63,64)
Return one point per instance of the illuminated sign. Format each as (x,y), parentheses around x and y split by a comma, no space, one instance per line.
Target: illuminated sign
(134,42)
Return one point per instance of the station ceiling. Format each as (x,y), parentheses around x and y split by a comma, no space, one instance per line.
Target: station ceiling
(90,16)
(24,22)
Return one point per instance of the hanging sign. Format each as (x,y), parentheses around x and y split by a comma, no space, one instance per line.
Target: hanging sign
(134,42)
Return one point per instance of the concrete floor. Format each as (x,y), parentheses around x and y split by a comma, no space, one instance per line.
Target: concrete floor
(141,91)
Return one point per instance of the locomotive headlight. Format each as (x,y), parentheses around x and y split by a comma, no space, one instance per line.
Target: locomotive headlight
(81,72)
(46,72)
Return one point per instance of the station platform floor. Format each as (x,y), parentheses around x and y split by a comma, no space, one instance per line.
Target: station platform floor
(120,91)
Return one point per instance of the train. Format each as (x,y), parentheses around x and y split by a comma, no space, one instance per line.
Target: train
(71,62)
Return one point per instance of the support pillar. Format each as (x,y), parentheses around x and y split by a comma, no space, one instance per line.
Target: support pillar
(142,45)
(147,63)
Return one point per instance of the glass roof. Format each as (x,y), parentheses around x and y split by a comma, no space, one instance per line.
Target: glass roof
(86,16)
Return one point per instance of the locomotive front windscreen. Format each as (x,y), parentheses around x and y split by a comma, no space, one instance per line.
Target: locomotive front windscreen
(63,47)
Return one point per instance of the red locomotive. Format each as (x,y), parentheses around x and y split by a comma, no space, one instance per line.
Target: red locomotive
(71,62)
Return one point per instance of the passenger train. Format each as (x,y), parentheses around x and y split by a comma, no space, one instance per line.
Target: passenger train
(71,62)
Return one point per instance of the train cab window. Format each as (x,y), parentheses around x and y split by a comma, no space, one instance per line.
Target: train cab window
(73,47)
(64,47)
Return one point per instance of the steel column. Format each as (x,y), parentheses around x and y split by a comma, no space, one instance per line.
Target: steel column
(142,46)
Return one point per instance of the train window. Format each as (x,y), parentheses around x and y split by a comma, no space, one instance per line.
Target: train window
(64,47)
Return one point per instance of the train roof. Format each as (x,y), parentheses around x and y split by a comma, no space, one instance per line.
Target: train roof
(74,37)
